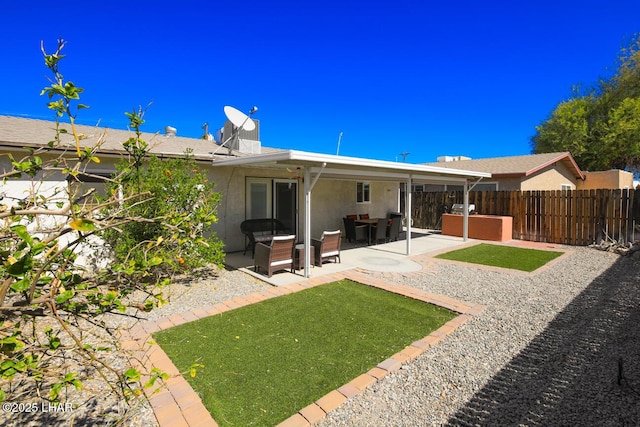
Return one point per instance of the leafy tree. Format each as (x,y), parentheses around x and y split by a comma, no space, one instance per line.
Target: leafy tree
(600,126)
(54,334)
(184,203)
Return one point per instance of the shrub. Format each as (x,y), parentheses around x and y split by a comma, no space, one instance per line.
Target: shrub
(57,328)
(181,202)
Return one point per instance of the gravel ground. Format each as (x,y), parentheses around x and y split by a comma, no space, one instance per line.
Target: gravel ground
(546,351)
(558,347)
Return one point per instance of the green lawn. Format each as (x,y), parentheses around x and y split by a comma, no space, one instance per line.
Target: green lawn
(266,361)
(502,256)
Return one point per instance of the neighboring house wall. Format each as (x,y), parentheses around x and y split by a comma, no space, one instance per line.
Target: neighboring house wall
(15,189)
(508,184)
(53,188)
(611,179)
(551,178)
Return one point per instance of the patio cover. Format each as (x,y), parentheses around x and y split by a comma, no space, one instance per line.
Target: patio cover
(329,166)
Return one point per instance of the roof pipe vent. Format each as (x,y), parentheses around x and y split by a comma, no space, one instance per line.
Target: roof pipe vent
(170,131)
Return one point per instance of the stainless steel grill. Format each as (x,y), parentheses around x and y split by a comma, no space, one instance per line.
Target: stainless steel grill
(458,209)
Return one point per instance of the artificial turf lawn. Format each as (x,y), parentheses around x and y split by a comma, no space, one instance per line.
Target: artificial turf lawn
(266,361)
(502,256)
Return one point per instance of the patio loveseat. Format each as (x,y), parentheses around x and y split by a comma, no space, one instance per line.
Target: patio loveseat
(261,230)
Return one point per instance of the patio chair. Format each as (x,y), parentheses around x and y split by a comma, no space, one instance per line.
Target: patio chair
(393,231)
(328,246)
(379,231)
(275,256)
(353,216)
(355,233)
(364,216)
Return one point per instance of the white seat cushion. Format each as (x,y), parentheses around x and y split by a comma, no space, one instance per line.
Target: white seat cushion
(332,253)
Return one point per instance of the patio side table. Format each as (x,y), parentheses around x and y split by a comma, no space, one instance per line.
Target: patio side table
(298,260)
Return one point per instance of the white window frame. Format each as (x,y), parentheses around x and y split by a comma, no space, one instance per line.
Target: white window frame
(366,193)
(268,183)
(566,187)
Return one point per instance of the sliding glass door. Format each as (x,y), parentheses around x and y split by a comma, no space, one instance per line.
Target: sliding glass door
(272,198)
(286,203)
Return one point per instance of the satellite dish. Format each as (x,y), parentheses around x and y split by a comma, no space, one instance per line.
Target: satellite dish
(239,119)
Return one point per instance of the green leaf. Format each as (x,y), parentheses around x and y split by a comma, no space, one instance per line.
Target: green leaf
(21,231)
(6,365)
(21,266)
(55,391)
(132,374)
(54,343)
(65,296)
(82,224)
(156,260)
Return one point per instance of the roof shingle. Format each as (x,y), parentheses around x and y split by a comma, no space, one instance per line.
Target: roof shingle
(24,132)
(513,166)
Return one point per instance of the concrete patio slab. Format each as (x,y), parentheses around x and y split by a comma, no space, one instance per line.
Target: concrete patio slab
(387,257)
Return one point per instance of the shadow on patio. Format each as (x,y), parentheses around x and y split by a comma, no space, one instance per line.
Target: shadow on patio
(570,373)
(387,257)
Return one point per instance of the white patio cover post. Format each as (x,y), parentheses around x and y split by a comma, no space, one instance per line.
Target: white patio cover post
(307,222)
(407,213)
(465,213)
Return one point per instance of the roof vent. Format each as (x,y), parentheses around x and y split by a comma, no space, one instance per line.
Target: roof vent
(170,131)
(443,159)
(247,141)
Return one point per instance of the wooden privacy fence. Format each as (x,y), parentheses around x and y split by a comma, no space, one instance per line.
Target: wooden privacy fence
(579,217)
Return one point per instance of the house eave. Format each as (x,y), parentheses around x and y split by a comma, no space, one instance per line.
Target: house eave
(337,165)
(565,158)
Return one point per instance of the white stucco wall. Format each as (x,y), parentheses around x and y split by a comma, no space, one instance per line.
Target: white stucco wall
(331,200)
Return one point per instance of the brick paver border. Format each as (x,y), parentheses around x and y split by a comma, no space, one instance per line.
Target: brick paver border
(178,404)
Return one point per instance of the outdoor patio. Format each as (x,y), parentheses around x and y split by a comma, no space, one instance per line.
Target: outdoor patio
(386,257)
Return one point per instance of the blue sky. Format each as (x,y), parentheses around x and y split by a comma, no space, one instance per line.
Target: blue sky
(430,78)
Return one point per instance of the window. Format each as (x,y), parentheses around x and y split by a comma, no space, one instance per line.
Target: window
(454,187)
(363,192)
(566,187)
(259,198)
(85,187)
(486,186)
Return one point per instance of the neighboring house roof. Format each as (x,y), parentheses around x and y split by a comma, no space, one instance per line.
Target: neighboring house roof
(515,166)
(22,132)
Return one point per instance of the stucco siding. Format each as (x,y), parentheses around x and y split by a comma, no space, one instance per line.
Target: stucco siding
(551,178)
(231,183)
(508,184)
(332,200)
(611,179)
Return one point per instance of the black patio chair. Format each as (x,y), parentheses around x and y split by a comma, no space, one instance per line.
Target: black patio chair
(393,230)
(355,233)
(379,231)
